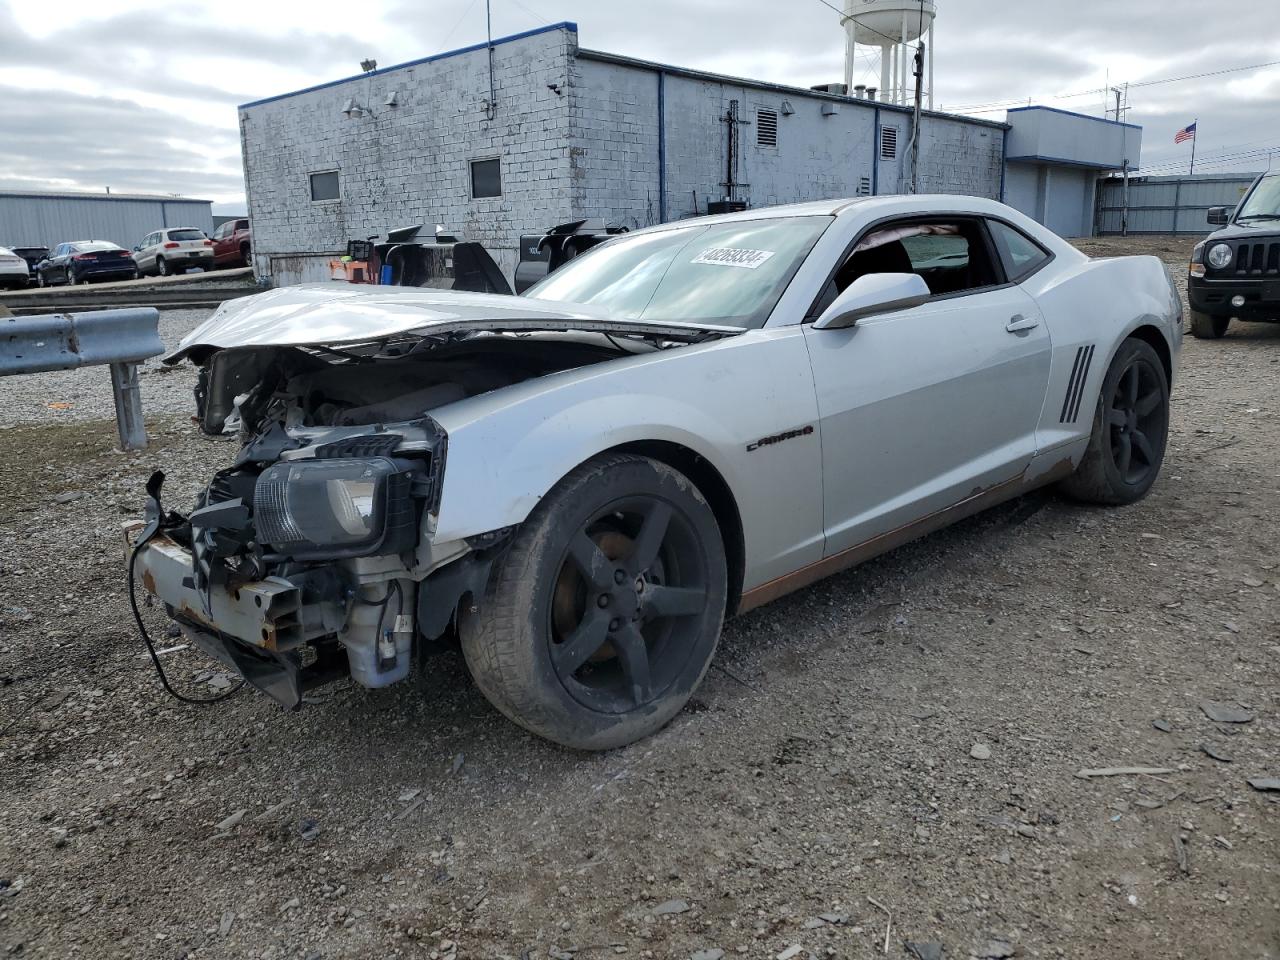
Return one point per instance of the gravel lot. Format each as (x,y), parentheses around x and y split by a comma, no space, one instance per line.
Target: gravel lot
(899,740)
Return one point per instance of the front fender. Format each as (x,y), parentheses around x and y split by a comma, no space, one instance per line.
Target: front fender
(498,468)
(508,448)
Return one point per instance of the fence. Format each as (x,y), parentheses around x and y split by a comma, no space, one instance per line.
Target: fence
(1167,204)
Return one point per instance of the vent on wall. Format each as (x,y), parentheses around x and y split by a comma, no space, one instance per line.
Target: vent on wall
(888,143)
(766,128)
(864,186)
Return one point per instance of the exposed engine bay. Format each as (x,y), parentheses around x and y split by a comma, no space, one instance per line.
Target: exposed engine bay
(308,546)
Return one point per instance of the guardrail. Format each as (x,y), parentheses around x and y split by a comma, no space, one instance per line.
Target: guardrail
(120,339)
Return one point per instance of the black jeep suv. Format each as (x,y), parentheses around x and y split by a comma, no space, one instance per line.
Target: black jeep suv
(1235,271)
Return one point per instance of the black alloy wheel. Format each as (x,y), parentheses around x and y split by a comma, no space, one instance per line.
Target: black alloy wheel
(1138,417)
(1130,429)
(602,616)
(623,619)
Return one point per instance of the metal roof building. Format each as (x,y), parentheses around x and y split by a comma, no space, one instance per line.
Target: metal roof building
(37,218)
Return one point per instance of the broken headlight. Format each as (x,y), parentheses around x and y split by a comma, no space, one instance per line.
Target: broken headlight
(335,508)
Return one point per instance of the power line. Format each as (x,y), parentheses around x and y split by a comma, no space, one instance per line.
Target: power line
(992,106)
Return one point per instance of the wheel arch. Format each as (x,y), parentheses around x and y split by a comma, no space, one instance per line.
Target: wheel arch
(1150,334)
(712,485)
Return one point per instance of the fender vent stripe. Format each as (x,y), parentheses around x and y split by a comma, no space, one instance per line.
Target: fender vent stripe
(1075,385)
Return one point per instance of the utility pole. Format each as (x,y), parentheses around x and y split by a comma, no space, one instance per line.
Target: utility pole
(915,124)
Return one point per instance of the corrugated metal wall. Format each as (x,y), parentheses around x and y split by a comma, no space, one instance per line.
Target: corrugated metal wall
(1168,204)
(30,220)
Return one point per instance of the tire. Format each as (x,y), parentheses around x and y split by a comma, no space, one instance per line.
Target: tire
(162,269)
(1206,326)
(244,254)
(602,617)
(40,280)
(1130,430)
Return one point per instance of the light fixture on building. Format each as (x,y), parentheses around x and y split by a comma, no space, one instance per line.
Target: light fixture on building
(368,66)
(352,110)
(392,100)
(787,108)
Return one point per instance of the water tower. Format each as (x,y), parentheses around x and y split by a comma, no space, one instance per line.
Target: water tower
(893,26)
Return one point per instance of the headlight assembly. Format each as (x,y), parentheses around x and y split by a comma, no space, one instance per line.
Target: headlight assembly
(335,508)
(1219,256)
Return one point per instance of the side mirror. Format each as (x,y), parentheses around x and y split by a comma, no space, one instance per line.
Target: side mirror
(870,294)
(1217,216)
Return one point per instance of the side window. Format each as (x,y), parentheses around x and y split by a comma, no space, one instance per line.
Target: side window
(221,231)
(951,256)
(1020,255)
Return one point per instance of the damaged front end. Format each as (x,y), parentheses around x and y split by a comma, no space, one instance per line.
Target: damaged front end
(313,554)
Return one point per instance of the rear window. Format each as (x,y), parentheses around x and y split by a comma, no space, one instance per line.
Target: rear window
(185,235)
(93,246)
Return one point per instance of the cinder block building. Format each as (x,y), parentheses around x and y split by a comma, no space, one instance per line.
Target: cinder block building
(495,141)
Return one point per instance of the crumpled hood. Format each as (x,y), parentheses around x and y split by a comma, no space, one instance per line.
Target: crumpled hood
(328,314)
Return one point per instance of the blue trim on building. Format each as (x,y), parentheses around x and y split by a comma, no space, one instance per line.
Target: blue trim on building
(562,25)
(1064,162)
(662,147)
(1072,113)
(875,158)
(1004,161)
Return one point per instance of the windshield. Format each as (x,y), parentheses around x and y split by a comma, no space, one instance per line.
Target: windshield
(727,274)
(1263,201)
(185,235)
(93,245)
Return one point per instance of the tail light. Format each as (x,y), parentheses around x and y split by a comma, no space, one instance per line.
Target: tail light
(171,245)
(208,243)
(84,256)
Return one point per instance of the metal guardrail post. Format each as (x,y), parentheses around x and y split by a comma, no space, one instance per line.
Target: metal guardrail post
(128,398)
(120,339)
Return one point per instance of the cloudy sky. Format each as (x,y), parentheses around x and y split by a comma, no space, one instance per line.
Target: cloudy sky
(141,96)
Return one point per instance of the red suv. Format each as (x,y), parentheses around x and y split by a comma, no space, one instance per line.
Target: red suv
(231,244)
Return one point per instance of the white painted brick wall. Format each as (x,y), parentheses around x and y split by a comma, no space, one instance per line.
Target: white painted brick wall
(590,149)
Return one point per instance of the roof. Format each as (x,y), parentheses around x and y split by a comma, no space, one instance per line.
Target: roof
(623,60)
(73,195)
(789,90)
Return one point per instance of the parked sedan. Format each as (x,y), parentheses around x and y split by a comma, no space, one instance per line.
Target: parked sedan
(173,250)
(33,256)
(13,270)
(685,422)
(232,244)
(84,261)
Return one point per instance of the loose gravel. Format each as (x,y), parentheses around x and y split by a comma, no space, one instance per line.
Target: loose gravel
(890,756)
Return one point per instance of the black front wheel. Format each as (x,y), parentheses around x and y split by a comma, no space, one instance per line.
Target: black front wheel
(602,617)
(1130,429)
(1206,326)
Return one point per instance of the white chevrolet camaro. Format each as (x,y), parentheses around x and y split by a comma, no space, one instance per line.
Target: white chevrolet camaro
(580,484)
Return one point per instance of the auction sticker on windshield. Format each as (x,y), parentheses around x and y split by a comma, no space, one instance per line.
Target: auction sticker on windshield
(734,257)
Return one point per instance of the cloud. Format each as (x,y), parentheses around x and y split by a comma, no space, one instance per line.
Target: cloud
(149,97)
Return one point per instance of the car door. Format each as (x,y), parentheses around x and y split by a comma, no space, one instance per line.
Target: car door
(925,407)
(220,234)
(68,251)
(146,257)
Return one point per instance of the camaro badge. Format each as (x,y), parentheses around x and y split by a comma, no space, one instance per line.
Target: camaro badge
(779,437)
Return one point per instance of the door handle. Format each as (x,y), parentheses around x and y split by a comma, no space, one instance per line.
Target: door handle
(1017,323)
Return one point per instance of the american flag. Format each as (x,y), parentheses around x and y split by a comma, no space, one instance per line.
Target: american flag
(1186,133)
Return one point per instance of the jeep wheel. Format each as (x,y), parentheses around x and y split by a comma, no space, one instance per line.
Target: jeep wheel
(1130,428)
(1205,326)
(162,268)
(602,617)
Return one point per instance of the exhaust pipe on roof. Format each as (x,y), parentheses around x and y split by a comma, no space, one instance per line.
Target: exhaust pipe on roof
(860,91)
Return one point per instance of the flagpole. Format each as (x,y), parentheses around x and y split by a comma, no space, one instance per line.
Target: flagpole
(1192,172)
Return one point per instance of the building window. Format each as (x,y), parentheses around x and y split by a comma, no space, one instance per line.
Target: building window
(486,179)
(766,128)
(324,186)
(888,143)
